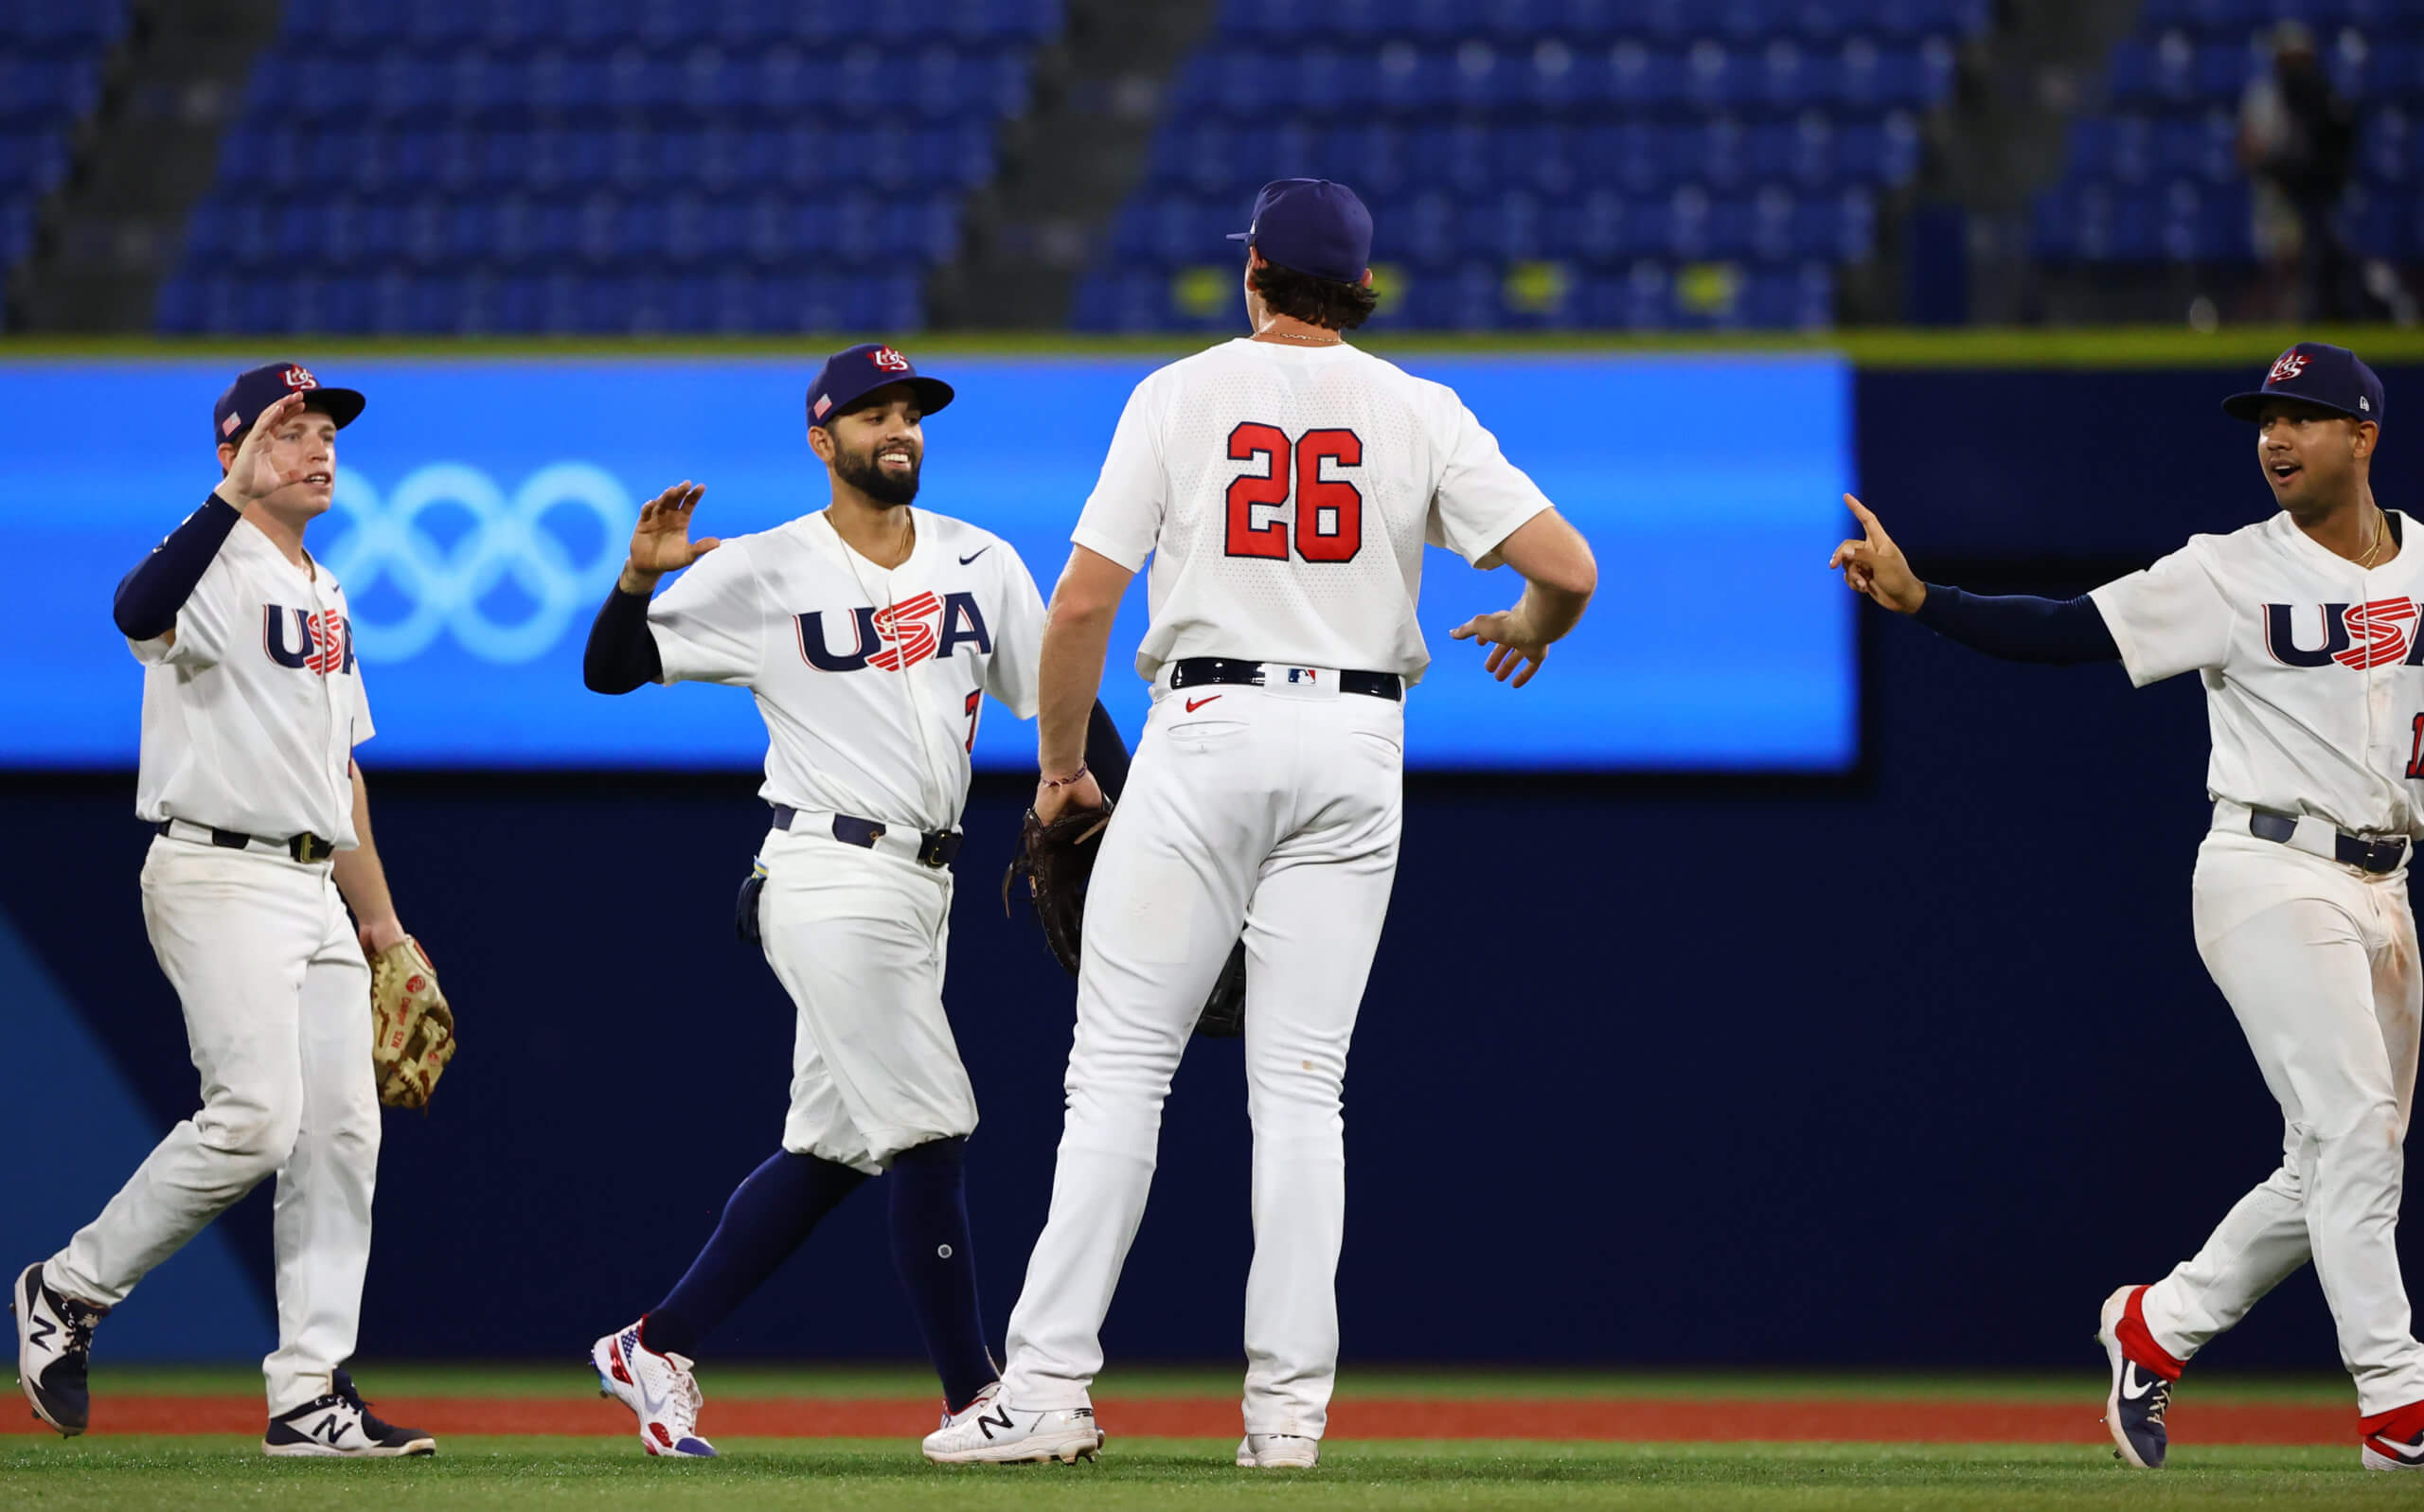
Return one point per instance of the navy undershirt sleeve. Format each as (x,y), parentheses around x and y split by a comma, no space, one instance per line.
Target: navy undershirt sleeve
(1106,752)
(148,597)
(621,653)
(2060,631)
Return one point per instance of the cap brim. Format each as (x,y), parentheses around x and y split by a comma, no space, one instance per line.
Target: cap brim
(343,405)
(933,395)
(1239,236)
(2250,408)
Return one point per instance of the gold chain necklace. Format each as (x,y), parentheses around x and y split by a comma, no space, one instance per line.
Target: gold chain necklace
(1310,341)
(2382,529)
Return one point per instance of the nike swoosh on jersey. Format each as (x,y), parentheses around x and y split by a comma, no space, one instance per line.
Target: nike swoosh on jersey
(973,555)
(1192,704)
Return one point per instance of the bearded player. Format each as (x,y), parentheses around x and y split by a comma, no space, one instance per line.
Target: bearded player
(2304,630)
(1283,485)
(252,706)
(870,632)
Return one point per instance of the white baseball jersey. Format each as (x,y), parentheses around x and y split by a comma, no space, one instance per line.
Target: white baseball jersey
(1285,493)
(251,717)
(871,681)
(2313,667)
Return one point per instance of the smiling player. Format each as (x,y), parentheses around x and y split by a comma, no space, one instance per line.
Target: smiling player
(870,632)
(2304,628)
(252,706)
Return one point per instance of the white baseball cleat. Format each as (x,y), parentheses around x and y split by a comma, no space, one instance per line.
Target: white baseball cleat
(54,1349)
(340,1425)
(659,1390)
(986,1432)
(1278,1451)
(2394,1440)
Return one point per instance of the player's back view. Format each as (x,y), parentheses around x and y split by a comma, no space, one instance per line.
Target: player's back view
(1283,486)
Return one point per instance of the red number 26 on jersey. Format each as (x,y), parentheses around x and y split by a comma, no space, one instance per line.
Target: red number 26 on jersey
(1330,512)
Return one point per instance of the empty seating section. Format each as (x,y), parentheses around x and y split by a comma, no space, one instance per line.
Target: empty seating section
(50,69)
(1545,163)
(2156,175)
(604,166)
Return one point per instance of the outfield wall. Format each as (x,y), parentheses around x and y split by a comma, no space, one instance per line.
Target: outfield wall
(1904,1066)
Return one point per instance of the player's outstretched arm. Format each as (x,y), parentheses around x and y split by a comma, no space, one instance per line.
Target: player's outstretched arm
(2060,632)
(661,541)
(1559,576)
(1874,565)
(148,596)
(622,652)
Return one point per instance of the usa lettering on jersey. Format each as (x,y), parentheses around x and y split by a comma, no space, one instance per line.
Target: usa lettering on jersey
(897,638)
(2377,634)
(321,643)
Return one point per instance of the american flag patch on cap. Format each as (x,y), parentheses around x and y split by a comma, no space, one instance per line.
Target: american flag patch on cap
(228,426)
(824,403)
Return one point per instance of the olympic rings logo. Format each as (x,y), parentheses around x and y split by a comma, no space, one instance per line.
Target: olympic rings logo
(449,587)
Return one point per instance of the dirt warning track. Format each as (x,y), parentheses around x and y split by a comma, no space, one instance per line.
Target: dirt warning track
(1605,1421)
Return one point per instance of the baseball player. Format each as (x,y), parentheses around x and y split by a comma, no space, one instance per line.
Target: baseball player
(869,632)
(252,706)
(1284,485)
(2304,630)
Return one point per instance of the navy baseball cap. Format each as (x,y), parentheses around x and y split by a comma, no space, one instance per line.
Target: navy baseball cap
(1314,226)
(257,388)
(854,372)
(2317,374)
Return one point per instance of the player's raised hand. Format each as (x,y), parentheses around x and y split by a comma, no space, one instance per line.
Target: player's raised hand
(254,474)
(1874,565)
(660,542)
(1515,649)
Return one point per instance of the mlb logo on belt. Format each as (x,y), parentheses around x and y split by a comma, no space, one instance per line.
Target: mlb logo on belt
(1304,674)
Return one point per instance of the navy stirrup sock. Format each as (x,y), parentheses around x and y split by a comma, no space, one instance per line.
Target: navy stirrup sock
(768,1216)
(930,1248)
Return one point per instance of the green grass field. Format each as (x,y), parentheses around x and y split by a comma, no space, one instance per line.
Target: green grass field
(755,1473)
(850,1474)
(522,1378)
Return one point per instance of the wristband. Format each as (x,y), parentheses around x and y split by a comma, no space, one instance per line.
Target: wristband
(1069,781)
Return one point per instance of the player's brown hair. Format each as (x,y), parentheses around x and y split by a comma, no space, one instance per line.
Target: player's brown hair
(1318,301)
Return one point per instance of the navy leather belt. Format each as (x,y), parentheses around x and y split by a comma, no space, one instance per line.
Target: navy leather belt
(934,847)
(303,847)
(2380,856)
(1197,670)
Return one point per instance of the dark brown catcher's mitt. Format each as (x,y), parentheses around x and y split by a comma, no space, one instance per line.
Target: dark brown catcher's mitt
(1058,862)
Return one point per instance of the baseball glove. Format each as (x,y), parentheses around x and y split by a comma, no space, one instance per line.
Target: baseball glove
(413,1028)
(1058,861)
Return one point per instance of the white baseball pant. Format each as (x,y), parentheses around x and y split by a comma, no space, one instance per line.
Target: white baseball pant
(857,937)
(276,1001)
(1277,813)
(2318,963)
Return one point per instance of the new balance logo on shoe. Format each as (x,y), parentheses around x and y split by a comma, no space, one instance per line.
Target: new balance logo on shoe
(999,1417)
(42,1330)
(329,1427)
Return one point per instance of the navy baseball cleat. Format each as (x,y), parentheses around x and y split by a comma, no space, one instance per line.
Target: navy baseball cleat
(2394,1440)
(2141,1378)
(54,1348)
(341,1426)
